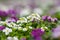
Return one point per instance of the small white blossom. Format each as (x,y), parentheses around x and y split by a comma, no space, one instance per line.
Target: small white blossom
(9,38)
(44,28)
(15,38)
(22,20)
(19,28)
(33,16)
(24,29)
(15,27)
(11,24)
(30,27)
(12,38)
(7,30)
(2,22)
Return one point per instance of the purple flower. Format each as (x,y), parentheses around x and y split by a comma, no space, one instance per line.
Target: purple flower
(37,33)
(15,18)
(49,18)
(11,13)
(38,38)
(56,32)
(3,13)
(2,27)
(12,19)
(57,2)
(44,17)
(54,19)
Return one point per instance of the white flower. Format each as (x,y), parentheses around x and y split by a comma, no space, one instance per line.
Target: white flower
(19,28)
(34,16)
(2,22)
(24,29)
(9,38)
(38,11)
(44,28)
(15,27)
(22,20)
(7,30)
(15,38)
(30,27)
(11,24)
(12,38)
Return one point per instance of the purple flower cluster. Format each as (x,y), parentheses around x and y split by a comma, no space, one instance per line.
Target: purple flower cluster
(7,13)
(49,18)
(12,19)
(2,27)
(37,33)
(56,32)
(3,13)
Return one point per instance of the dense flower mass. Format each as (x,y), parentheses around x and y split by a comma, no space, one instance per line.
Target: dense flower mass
(37,32)
(32,27)
(49,18)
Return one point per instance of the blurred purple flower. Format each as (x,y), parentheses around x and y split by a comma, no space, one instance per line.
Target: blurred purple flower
(12,13)
(37,32)
(49,18)
(57,2)
(15,18)
(44,17)
(12,19)
(3,13)
(2,27)
(56,32)
(54,19)
(38,38)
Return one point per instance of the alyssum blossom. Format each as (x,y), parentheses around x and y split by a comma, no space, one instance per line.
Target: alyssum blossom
(7,30)
(33,16)
(12,38)
(22,20)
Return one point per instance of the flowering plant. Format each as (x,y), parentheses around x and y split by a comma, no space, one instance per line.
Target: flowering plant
(32,27)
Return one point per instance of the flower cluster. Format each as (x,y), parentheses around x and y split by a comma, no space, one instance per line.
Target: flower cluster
(49,18)
(27,28)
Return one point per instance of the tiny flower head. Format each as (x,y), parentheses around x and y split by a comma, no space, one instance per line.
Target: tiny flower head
(24,29)
(7,31)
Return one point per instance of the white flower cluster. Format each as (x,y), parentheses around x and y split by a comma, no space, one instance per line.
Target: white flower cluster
(22,20)
(12,38)
(33,16)
(7,30)
(44,28)
(17,26)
